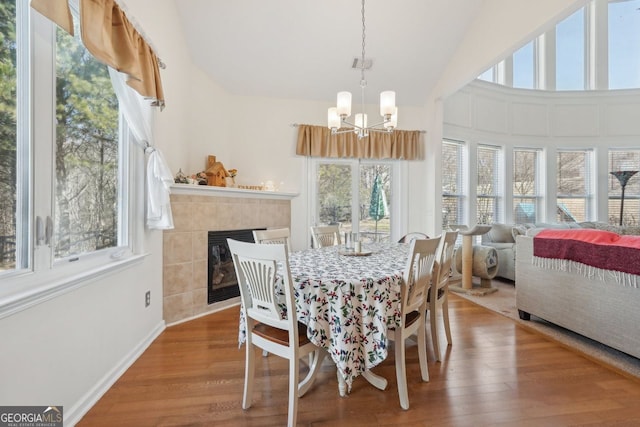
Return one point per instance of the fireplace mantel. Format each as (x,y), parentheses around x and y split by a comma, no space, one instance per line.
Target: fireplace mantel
(207,190)
(198,209)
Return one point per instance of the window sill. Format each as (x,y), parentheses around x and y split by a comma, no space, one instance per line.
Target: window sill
(23,295)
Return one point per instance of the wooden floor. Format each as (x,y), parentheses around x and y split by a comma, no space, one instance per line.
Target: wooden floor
(496,374)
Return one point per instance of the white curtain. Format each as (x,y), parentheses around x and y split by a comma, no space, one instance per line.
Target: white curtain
(137,112)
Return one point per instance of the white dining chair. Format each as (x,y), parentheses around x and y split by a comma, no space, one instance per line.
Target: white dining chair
(407,238)
(325,235)
(415,288)
(273,235)
(439,291)
(267,327)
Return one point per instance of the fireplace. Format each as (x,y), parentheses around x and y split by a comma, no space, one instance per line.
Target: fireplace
(222,283)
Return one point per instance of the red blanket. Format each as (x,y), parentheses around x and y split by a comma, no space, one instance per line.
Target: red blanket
(597,248)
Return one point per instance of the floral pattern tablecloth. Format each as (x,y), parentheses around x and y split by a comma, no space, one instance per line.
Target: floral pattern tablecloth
(348,302)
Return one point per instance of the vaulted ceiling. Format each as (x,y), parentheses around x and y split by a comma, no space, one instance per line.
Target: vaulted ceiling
(304,49)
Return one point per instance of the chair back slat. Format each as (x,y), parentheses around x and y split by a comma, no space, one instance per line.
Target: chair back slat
(444,260)
(325,235)
(418,273)
(280,236)
(259,268)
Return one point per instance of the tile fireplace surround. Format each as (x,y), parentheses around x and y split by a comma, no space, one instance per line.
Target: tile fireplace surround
(196,211)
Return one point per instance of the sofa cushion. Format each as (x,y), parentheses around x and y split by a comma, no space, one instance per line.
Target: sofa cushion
(499,246)
(518,230)
(501,233)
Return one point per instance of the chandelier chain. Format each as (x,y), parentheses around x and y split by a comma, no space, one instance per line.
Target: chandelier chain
(363,44)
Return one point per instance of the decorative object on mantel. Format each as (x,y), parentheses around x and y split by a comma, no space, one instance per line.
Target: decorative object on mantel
(623,177)
(337,116)
(216,173)
(181,178)
(231,179)
(251,187)
(200,178)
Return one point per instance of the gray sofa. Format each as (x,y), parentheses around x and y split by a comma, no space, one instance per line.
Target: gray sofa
(599,308)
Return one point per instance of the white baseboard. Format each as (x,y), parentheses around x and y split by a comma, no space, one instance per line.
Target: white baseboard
(77,411)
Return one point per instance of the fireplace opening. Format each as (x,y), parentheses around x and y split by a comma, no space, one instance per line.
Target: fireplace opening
(222,282)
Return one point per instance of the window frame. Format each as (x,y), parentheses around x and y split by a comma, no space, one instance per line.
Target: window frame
(39,277)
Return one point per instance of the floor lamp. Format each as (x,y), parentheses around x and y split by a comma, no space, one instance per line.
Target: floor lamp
(623,177)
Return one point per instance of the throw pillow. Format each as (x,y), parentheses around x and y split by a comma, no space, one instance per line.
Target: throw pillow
(501,233)
(518,230)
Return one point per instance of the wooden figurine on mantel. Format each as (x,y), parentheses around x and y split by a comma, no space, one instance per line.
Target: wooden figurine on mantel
(216,173)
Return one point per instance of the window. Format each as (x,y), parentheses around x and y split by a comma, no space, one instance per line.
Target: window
(574,186)
(488,75)
(627,160)
(524,67)
(347,189)
(575,36)
(570,53)
(65,163)
(453,179)
(525,185)
(86,154)
(624,39)
(488,185)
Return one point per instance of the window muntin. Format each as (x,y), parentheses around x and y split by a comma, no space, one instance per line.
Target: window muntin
(570,52)
(574,185)
(525,185)
(624,160)
(453,179)
(624,40)
(488,188)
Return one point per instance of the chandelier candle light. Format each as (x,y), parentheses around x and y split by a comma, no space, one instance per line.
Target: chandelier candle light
(337,116)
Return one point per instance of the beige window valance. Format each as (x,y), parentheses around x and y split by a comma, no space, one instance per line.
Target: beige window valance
(112,39)
(317,141)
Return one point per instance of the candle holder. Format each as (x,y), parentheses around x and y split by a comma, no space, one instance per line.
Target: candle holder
(623,178)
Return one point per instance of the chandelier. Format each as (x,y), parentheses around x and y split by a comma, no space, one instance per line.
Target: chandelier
(337,116)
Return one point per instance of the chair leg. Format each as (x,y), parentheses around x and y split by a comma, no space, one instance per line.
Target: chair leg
(422,352)
(433,318)
(445,317)
(294,365)
(249,374)
(401,371)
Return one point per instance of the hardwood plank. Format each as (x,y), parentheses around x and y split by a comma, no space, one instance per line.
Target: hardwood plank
(497,373)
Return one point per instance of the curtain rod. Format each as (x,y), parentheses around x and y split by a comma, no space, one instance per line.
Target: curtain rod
(295,125)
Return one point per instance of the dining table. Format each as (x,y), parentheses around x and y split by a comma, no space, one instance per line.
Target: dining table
(348,301)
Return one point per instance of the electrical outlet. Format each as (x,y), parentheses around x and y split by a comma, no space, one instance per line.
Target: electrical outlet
(147,299)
